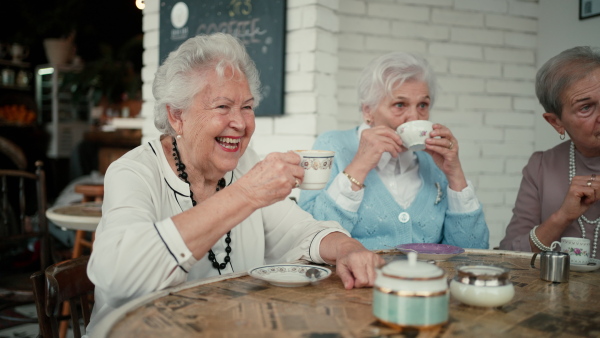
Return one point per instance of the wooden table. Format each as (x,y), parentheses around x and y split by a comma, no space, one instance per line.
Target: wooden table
(241,306)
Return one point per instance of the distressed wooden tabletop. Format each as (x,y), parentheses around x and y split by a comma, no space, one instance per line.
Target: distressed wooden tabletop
(247,307)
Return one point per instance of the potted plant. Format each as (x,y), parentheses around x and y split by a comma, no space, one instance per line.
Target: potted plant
(55,22)
(110,81)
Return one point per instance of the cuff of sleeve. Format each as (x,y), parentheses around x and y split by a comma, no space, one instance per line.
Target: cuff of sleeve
(463,201)
(174,244)
(340,191)
(315,245)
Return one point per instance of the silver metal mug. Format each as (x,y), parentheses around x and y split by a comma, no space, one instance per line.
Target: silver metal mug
(554,266)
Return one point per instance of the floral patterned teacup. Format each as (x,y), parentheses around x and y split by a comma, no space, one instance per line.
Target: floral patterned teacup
(317,168)
(577,248)
(414,133)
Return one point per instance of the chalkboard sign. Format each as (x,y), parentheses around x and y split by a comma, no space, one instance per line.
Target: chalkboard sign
(260,24)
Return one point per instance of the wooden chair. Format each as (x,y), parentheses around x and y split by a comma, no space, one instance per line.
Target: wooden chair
(66,281)
(91,193)
(23,221)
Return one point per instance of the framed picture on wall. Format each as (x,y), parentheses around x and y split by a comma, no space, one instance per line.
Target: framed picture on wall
(588,9)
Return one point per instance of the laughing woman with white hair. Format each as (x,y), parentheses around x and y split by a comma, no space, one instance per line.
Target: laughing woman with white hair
(197,201)
(385,194)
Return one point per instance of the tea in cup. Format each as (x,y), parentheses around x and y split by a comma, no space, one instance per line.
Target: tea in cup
(317,168)
(577,248)
(414,133)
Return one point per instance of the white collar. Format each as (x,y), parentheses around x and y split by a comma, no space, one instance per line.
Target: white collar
(404,159)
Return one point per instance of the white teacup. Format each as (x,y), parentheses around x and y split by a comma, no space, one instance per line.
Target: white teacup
(317,168)
(578,249)
(414,133)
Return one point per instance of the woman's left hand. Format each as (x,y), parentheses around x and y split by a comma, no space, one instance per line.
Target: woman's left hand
(443,147)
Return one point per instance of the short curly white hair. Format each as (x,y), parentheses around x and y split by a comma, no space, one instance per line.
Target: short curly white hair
(180,77)
(383,74)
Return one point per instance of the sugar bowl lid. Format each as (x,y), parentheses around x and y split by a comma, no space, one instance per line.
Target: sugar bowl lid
(412,269)
(482,275)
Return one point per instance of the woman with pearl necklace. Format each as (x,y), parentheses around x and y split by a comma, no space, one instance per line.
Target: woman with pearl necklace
(560,189)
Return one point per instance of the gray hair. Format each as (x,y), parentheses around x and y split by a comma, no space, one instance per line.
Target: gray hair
(383,74)
(180,77)
(560,72)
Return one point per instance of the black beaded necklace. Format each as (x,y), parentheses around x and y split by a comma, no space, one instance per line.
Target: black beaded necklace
(220,185)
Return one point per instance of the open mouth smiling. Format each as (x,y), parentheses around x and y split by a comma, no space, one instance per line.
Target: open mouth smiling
(228,142)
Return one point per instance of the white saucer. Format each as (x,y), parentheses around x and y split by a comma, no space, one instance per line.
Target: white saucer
(287,275)
(587,268)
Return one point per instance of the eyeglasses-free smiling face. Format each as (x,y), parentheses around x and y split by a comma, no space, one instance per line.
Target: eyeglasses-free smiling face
(408,102)
(581,114)
(219,123)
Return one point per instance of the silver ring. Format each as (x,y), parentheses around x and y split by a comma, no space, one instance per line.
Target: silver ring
(451,145)
(297,184)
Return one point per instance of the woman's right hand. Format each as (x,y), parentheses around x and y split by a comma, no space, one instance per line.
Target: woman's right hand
(272,179)
(373,143)
(580,197)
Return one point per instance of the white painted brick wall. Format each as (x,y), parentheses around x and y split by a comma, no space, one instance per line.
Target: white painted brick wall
(424,31)
(478,69)
(477,36)
(511,23)
(456,50)
(518,88)
(483,52)
(524,8)
(511,55)
(397,12)
(519,72)
(482,5)
(456,18)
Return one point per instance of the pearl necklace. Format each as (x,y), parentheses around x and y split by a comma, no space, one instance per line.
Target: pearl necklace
(582,218)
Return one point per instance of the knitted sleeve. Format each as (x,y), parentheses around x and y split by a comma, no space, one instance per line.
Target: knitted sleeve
(318,202)
(466,230)
(463,229)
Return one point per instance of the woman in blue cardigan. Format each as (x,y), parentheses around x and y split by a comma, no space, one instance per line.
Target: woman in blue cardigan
(385,194)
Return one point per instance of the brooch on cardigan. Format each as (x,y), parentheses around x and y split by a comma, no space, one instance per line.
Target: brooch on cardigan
(439,193)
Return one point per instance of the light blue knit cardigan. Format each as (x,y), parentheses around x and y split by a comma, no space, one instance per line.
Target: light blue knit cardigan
(376,224)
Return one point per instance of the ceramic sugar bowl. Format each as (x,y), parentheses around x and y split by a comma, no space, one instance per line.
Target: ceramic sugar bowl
(482,285)
(411,294)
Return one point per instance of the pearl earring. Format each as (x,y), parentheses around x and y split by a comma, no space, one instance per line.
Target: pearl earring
(178,137)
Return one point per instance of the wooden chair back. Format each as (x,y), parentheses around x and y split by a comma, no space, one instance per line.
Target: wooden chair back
(14,153)
(23,207)
(66,281)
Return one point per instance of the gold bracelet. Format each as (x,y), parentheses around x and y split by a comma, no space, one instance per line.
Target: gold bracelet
(354,180)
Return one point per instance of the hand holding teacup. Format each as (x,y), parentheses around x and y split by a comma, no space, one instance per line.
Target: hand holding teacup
(438,141)
(270,180)
(317,168)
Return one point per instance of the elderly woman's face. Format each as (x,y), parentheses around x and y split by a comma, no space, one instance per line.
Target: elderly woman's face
(409,101)
(218,126)
(581,113)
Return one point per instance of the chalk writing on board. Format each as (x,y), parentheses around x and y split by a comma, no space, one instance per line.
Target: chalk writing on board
(247,30)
